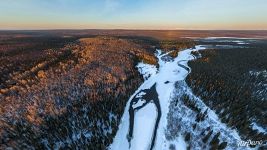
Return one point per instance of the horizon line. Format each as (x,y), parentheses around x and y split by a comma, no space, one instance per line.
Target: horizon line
(130,29)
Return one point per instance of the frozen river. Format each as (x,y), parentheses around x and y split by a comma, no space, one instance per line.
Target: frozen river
(145,118)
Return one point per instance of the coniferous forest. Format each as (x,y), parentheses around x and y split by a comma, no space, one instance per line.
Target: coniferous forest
(69,89)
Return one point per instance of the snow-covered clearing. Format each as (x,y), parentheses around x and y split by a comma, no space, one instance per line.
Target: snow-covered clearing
(255,126)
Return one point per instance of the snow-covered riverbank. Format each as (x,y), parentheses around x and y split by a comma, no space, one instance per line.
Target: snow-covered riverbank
(144,123)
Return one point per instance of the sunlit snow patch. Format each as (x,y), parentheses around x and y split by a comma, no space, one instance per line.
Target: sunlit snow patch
(146,70)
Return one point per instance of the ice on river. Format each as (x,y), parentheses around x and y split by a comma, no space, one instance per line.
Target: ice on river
(144,126)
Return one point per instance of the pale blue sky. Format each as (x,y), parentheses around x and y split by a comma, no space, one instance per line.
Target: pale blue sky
(133,14)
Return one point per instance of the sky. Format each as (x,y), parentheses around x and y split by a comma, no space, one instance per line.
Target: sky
(134,14)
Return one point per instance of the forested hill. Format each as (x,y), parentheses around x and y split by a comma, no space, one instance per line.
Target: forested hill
(73,97)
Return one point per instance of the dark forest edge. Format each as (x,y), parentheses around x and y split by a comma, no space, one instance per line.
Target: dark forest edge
(231,82)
